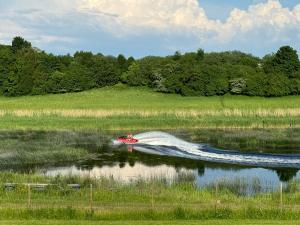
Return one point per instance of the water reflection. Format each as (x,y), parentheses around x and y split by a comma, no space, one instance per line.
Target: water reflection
(126,166)
(125,173)
(89,154)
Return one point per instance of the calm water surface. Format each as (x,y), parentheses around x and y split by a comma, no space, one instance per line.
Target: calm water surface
(101,159)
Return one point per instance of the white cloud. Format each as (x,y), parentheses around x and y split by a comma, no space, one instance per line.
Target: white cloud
(33,20)
(47,39)
(263,18)
(265,24)
(10,28)
(132,17)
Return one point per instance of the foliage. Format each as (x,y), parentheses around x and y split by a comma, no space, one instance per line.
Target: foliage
(286,61)
(25,70)
(237,85)
(19,43)
(200,54)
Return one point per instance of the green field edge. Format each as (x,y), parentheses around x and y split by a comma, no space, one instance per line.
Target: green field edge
(148,222)
(139,123)
(178,213)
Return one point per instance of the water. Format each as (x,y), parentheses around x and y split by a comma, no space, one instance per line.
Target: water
(157,155)
(162,143)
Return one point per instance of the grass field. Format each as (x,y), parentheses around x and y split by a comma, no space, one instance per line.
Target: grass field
(172,222)
(142,200)
(124,108)
(121,107)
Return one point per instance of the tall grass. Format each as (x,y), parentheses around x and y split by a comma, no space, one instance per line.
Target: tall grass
(135,123)
(122,107)
(149,214)
(99,113)
(151,199)
(29,149)
(239,186)
(266,140)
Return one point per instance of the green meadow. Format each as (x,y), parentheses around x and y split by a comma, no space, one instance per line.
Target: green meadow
(129,108)
(120,108)
(142,200)
(164,222)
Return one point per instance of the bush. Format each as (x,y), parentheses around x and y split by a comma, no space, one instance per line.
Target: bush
(25,70)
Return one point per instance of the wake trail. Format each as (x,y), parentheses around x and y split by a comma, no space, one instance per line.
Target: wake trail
(161,143)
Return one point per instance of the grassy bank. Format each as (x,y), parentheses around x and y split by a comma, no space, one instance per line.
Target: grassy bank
(126,222)
(153,199)
(122,107)
(19,149)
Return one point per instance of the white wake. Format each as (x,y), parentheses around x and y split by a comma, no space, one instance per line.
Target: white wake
(161,143)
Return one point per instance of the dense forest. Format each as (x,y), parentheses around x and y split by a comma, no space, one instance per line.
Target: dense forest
(25,70)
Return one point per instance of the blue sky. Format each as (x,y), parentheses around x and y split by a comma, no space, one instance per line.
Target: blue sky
(218,9)
(152,27)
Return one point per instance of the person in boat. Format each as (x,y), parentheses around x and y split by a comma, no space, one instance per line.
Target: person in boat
(128,139)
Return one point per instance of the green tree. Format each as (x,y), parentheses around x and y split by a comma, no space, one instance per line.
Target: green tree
(105,71)
(19,43)
(177,55)
(78,78)
(25,70)
(130,60)
(84,58)
(256,84)
(7,62)
(294,86)
(286,61)
(122,63)
(132,76)
(171,72)
(55,84)
(192,82)
(268,63)
(200,54)
(277,85)
(20,79)
(215,80)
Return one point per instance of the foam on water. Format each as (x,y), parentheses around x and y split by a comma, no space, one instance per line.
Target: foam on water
(161,143)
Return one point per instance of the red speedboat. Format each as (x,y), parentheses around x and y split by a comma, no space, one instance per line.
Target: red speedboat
(129,139)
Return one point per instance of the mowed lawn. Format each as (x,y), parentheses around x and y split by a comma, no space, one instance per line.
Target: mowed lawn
(123,107)
(171,222)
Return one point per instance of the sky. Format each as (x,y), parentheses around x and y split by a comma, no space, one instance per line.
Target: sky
(152,27)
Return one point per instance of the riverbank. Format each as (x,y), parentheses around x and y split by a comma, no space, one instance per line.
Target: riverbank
(127,108)
(149,222)
(110,200)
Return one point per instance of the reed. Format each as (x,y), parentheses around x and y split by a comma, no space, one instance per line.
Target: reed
(132,122)
(140,200)
(122,107)
(146,222)
(289,112)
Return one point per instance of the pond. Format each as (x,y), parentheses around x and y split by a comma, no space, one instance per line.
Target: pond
(93,154)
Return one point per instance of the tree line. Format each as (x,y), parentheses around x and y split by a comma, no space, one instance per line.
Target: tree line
(26,70)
